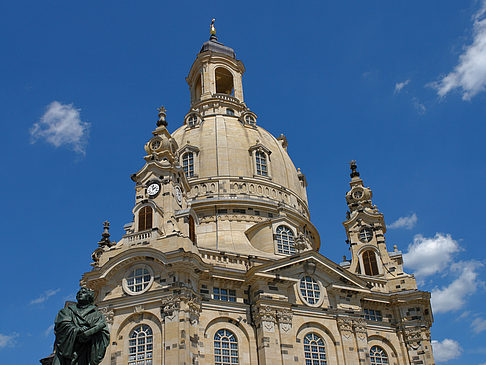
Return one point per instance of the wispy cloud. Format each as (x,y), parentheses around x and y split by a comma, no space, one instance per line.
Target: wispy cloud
(429,255)
(405,222)
(470,73)
(46,295)
(453,296)
(446,350)
(49,330)
(478,325)
(400,85)
(61,125)
(7,340)
(419,106)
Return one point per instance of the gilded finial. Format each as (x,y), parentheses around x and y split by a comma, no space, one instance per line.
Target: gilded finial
(213,31)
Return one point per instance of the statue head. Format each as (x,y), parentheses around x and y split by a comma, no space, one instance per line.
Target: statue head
(85,296)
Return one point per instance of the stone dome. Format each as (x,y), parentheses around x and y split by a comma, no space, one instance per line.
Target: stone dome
(224,147)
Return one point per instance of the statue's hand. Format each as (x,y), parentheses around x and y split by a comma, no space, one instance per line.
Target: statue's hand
(83,335)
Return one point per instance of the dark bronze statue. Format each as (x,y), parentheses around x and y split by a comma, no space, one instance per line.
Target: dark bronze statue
(82,334)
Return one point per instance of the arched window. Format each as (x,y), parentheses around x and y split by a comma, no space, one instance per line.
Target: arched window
(188,163)
(285,240)
(250,119)
(314,350)
(261,163)
(369,263)
(145,219)
(224,81)
(225,348)
(378,355)
(140,346)
(310,290)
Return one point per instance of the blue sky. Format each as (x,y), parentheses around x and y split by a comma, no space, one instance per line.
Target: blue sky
(398,86)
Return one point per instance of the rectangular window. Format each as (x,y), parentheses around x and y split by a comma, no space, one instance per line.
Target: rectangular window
(239,211)
(373,315)
(226,295)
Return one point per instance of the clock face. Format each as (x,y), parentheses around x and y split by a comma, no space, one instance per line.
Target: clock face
(153,189)
(357,194)
(178,194)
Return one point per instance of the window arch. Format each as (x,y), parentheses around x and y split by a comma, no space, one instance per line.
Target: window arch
(310,290)
(145,218)
(378,355)
(188,163)
(225,348)
(138,279)
(314,350)
(224,81)
(369,263)
(140,346)
(285,240)
(192,120)
(261,163)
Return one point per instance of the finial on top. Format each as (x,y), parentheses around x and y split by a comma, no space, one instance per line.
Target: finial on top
(105,236)
(213,31)
(353,167)
(162,115)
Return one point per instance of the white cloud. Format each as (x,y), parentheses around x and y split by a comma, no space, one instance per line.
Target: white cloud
(400,85)
(61,125)
(419,107)
(49,330)
(446,350)
(43,297)
(453,296)
(470,73)
(405,222)
(7,340)
(478,325)
(429,255)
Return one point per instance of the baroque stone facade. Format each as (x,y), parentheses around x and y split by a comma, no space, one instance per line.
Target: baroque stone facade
(221,263)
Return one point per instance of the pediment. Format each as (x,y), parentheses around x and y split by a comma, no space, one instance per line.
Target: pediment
(310,262)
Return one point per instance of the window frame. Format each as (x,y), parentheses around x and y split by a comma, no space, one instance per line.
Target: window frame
(276,243)
(137,345)
(383,351)
(228,293)
(317,303)
(191,158)
(311,360)
(139,215)
(231,348)
(367,266)
(125,284)
(259,148)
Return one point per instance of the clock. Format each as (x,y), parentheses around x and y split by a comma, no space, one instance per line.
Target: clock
(153,189)
(178,194)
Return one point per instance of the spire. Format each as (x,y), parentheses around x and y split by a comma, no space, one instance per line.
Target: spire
(162,115)
(213,31)
(105,236)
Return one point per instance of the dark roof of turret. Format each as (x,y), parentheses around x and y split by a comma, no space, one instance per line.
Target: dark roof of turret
(214,46)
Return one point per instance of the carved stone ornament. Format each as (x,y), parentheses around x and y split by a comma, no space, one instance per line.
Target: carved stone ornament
(284,317)
(345,326)
(109,314)
(170,304)
(265,316)
(359,326)
(414,336)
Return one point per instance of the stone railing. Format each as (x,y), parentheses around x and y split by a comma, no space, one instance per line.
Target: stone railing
(377,284)
(234,188)
(140,236)
(226,97)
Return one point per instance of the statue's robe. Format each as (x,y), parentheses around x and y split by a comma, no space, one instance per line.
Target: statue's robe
(69,348)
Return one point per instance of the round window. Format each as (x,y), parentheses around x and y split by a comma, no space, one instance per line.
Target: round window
(138,280)
(358,194)
(365,234)
(310,291)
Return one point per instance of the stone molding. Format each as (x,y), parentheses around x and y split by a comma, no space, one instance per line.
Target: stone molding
(109,314)
(349,325)
(268,316)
